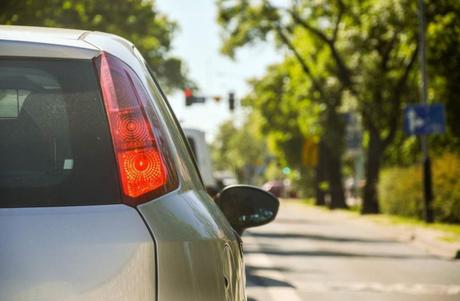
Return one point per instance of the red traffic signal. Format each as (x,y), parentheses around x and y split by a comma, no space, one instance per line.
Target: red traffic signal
(188,92)
(190,99)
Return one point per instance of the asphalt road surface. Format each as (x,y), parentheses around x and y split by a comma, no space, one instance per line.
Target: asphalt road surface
(309,254)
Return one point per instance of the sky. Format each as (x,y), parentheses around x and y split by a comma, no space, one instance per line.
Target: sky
(197,43)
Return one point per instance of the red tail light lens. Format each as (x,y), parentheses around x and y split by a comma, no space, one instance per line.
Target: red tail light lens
(143,158)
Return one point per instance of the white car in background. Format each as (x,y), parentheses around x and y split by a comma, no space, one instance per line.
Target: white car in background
(197,141)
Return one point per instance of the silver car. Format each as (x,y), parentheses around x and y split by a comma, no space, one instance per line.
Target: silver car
(100,198)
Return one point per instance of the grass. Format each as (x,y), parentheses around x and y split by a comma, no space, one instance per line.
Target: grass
(400,220)
(452,231)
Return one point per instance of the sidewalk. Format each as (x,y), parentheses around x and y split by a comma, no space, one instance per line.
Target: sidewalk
(431,240)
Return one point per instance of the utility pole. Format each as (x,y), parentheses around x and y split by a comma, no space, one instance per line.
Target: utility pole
(427,181)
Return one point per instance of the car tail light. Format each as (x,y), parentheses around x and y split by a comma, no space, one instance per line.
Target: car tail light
(144,160)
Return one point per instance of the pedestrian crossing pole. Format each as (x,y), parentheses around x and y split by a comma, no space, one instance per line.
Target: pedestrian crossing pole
(427,181)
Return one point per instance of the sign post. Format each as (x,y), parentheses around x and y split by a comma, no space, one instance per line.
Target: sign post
(427,182)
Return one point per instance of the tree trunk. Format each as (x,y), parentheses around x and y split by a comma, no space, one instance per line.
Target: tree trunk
(334,137)
(374,153)
(320,175)
(335,181)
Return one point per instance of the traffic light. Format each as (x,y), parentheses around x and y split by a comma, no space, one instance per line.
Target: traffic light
(188,93)
(191,99)
(231,101)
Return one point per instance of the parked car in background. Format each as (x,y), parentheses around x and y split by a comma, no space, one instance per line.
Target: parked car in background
(99,195)
(276,187)
(280,188)
(200,150)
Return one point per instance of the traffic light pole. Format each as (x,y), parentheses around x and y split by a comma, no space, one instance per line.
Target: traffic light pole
(427,179)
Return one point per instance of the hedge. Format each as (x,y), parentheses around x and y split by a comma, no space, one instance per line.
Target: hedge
(400,190)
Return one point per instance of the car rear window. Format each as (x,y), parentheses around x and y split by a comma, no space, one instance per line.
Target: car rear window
(55,148)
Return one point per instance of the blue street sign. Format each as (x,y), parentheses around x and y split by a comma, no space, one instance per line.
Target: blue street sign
(422,119)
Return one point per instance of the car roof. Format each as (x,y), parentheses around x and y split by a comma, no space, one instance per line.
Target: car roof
(60,42)
(25,33)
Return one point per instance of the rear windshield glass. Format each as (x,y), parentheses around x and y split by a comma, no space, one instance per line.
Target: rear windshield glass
(55,149)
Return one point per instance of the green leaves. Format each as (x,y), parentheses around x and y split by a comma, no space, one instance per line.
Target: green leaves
(347,55)
(135,20)
(241,150)
(244,22)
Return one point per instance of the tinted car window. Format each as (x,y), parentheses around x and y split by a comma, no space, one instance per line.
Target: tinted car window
(55,148)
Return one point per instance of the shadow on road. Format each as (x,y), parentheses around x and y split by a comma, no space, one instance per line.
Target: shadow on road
(252,268)
(319,237)
(328,253)
(264,281)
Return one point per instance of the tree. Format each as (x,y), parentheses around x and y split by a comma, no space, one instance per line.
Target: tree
(288,117)
(372,46)
(240,150)
(443,44)
(246,22)
(136,20)
(385,53)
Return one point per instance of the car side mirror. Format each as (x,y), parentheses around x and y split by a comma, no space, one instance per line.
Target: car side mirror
(247,206)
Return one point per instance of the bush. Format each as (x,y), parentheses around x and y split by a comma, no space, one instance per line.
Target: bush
(446,182)
(400,190)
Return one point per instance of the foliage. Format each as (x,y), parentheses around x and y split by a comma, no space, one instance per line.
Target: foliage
(240,150)
(286,114)
(221,147)
(302,80)
(370,58)
(363,52)
(400,189)
(135,20)
(447,187)
(443,44)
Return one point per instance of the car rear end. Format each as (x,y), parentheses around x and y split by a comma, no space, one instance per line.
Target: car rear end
(99,199)
(64,231)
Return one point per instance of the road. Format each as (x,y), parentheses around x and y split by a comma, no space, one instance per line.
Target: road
(309,254)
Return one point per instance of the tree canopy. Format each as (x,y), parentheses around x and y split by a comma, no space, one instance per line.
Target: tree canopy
(353,56)
(136,20)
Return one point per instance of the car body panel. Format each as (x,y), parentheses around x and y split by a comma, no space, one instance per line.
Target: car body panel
(75,253)
(115,45)
(196,248)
